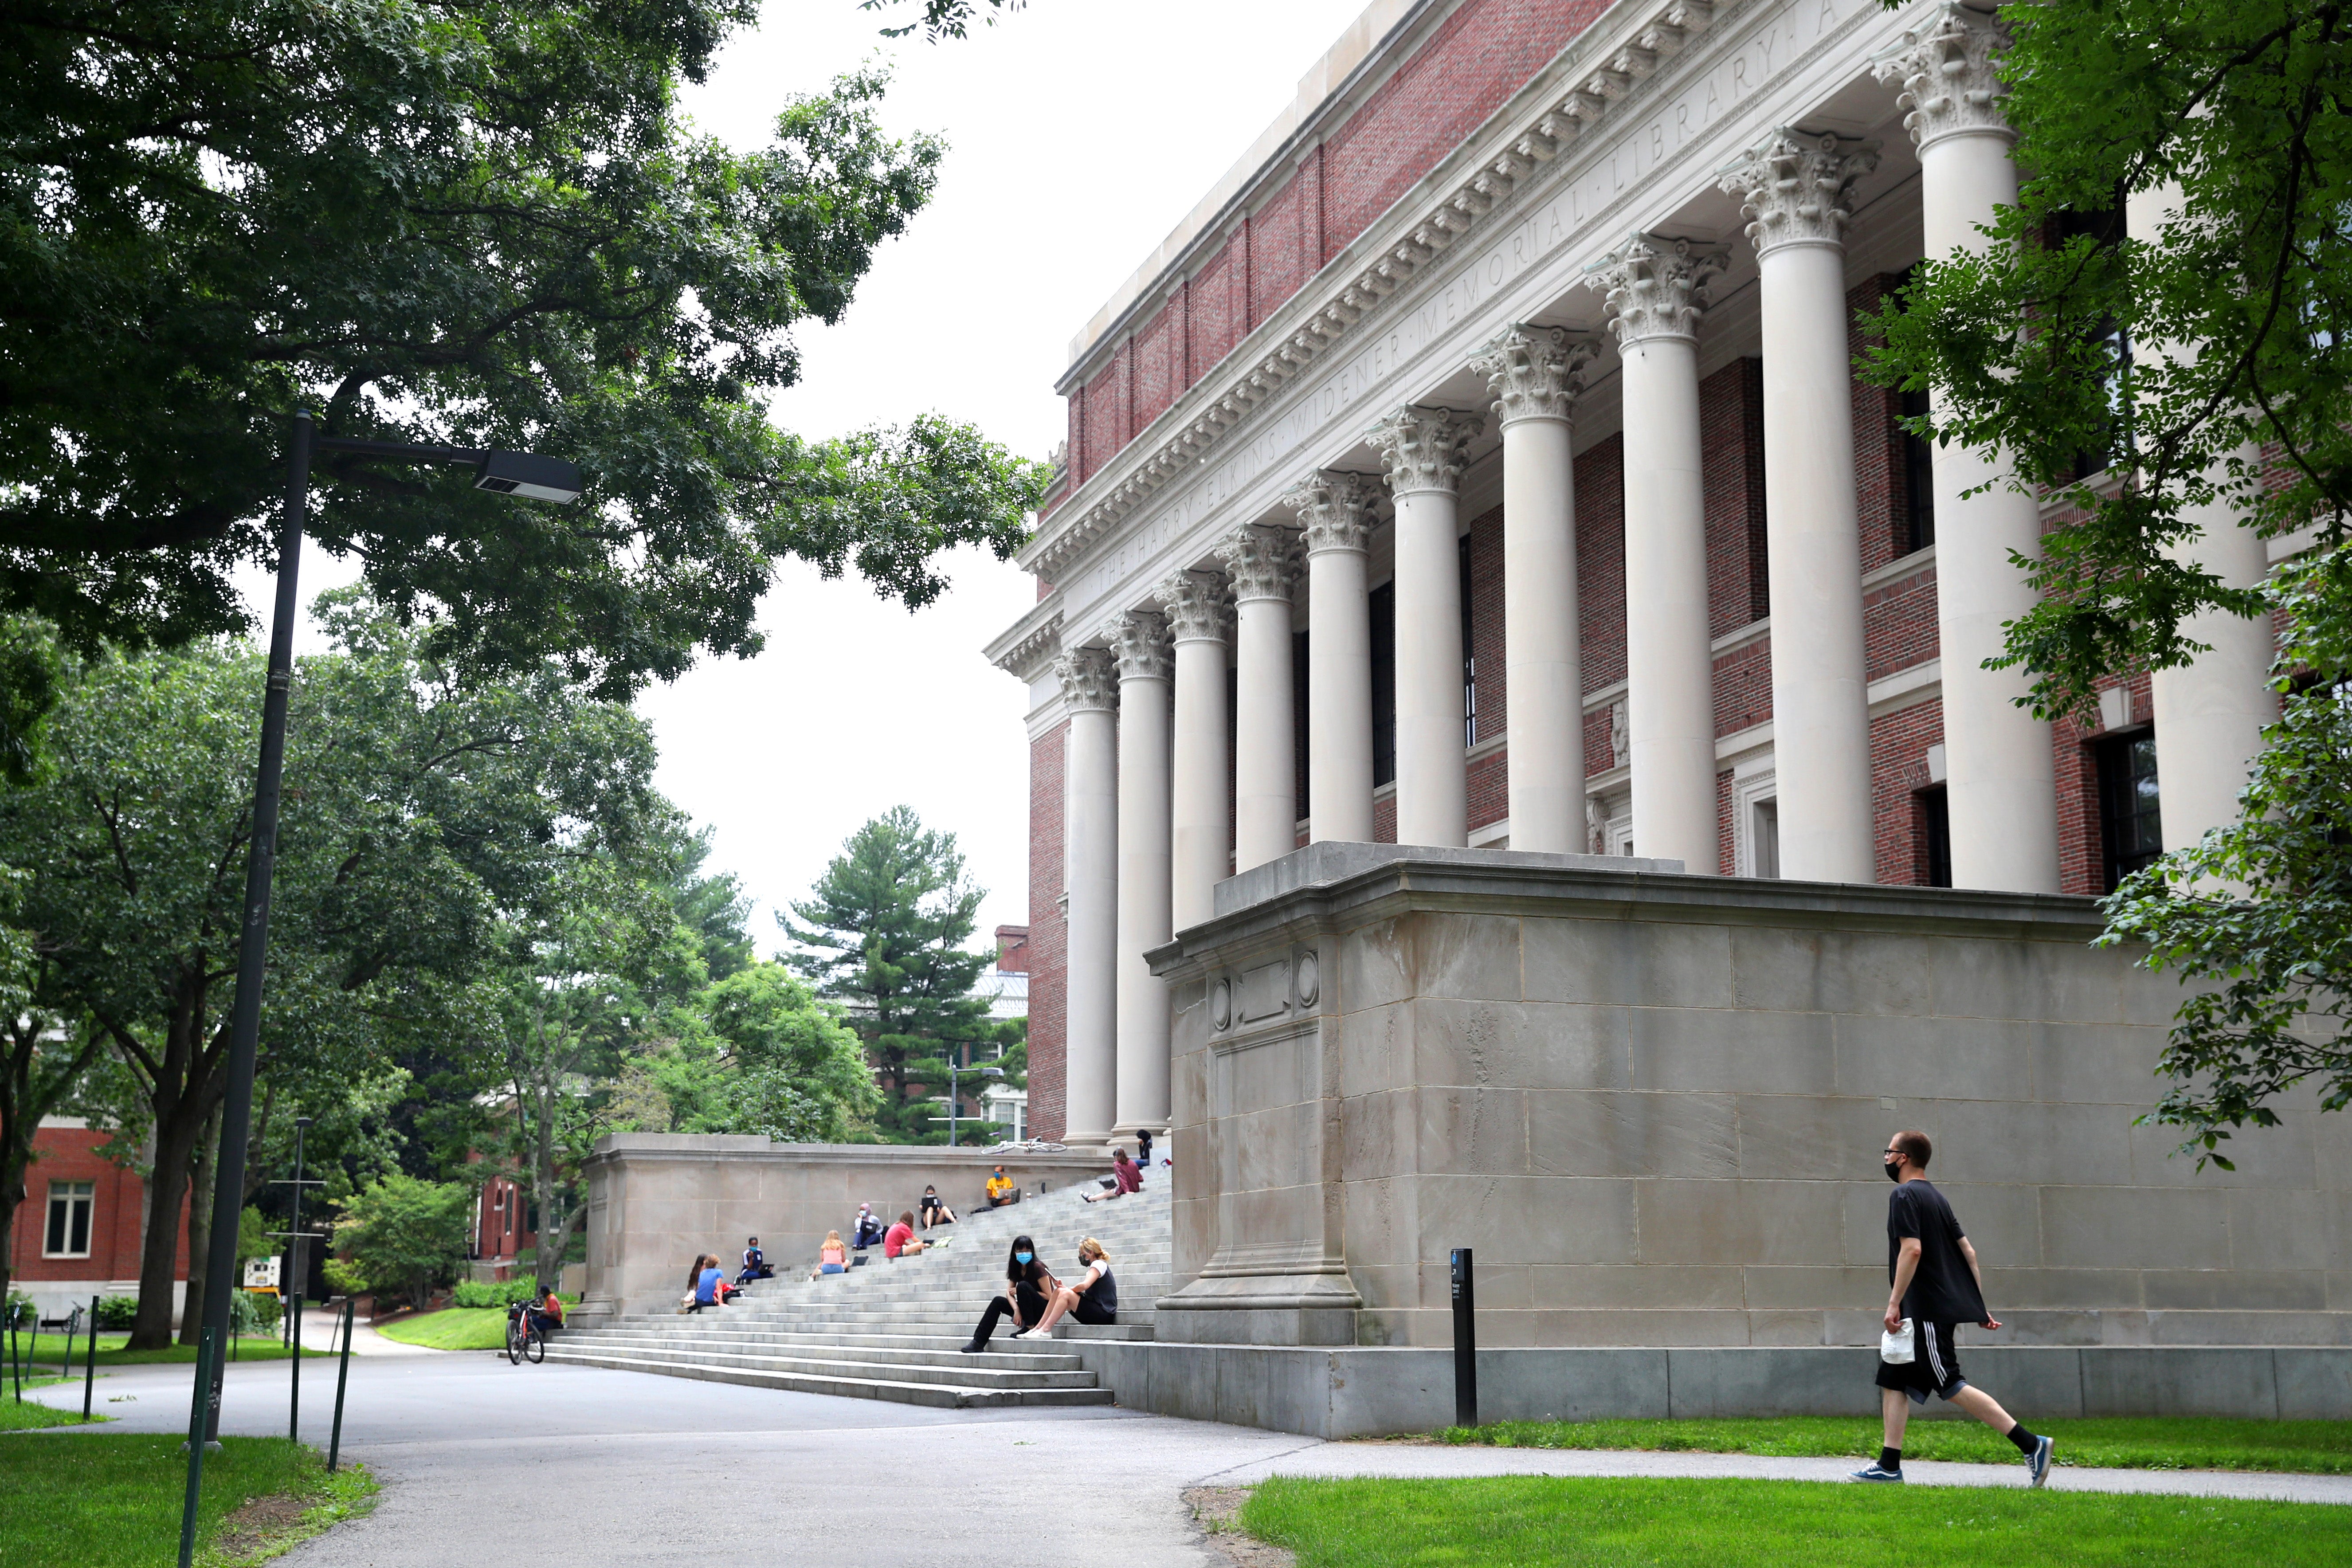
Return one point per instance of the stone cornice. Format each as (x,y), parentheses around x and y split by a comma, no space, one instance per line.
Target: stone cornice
(1027,646)
(1606,65)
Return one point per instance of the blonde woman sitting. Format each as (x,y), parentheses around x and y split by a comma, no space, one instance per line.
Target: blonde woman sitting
(1093,1299)
(833,1257)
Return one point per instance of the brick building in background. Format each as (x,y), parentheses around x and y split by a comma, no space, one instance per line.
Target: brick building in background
(1518,252)
(79,1231)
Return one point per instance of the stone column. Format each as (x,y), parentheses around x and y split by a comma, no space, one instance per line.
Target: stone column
(1090,877)
(1657,288)
(1204,845)
(1425,451)
(1265,747)
(1536,374)
(2208,713)
(1335,509)
(1140,642)
(2002,782)
(1795,186)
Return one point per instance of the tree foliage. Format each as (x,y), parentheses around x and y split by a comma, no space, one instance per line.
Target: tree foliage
(2205,350)
(402,1234)
(883,933)
(478,224)
(941,18)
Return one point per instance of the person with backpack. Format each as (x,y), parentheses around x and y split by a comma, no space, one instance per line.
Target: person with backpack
(1936,1285)
(755,1265)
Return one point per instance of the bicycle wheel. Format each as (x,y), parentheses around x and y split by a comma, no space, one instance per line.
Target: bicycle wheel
(514,1346)
(534,1346)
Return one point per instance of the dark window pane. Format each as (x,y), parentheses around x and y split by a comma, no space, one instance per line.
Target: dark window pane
(1936,826)
(1469,651)
(56,1240)
(2131,822)
(1383,608)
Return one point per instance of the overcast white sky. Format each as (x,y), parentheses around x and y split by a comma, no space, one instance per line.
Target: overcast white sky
(1080,132)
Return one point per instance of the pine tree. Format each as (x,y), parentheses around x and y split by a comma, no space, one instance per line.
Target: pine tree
(882,933)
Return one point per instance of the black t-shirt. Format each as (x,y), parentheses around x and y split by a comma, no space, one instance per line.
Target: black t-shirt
(1943,1287)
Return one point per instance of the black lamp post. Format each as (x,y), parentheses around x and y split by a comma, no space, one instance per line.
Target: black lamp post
(509,473)
(301,1261)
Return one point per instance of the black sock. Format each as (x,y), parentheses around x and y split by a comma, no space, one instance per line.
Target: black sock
(2026,1441)
(1890,1458)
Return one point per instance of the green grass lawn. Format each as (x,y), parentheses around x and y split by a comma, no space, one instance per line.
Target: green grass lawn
(452,1328)
(36,1350)
(1571,1523)
(2188,1443)
(28,1417)
(113,1500)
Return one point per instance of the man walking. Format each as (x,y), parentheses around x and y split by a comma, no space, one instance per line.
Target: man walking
(1936,1285)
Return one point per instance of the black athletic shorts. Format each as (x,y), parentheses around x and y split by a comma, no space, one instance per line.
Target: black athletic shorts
(1933,1367)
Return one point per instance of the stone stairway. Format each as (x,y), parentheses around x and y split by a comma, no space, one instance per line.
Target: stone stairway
(893,1330)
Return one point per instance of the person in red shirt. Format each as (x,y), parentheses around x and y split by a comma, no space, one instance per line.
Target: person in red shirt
(899,1240)
(1127,1177)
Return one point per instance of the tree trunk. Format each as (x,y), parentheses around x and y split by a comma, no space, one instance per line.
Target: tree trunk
(158,1250)
(200,1229)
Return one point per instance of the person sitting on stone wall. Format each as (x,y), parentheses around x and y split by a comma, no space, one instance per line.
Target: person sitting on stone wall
(899,1240)
(1028,1289)
(1093,1299)
(935,1209)
(1127,1177)
(833,1257)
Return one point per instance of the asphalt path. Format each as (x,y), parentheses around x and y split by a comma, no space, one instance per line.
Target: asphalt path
(481,1459)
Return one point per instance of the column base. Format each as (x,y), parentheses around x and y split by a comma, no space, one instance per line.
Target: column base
(1261,1310)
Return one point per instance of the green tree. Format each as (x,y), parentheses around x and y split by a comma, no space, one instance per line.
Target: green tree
(483,224)
(941,18)
(2209,354)
(414,811)
(400,1232)
(882,933)
(799,1075)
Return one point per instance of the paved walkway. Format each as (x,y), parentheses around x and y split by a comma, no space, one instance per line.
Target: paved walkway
(615,1467)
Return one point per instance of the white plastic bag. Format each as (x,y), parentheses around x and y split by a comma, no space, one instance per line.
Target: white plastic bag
(1897,1347)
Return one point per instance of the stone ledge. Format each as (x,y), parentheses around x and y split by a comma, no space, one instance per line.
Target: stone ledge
(1363,1393)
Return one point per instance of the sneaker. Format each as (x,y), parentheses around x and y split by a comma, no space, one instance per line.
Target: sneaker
(974,1348)
(1878,1473)
(2037,1463)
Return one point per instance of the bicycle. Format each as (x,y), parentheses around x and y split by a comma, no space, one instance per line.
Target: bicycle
(524,1339)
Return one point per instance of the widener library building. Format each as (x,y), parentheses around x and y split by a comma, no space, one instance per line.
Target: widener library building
(1513,766)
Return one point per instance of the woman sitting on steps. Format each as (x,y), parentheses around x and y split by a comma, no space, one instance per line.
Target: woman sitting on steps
(1093,1299)
(1028,1289)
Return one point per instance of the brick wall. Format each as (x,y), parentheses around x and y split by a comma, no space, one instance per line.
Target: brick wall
(1303,215)
(1899,623)
(2082,858)
(1877,441)
(1048,947)
(1600,568)
(118,1196)
(1898,771)
(1731,475)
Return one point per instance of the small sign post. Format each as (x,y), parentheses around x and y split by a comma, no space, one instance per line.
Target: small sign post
(1466,1342)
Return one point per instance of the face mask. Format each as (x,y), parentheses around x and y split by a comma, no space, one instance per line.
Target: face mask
(1023,1257)
(1894,1170)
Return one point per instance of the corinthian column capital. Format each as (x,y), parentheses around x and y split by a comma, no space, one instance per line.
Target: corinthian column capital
(1947,66)
(1335,509)
(1088,682)
(1424,448)
(1138,640)
(1535,372)
(1795,186)
(1259,561)
(1656,287)
(1197,608)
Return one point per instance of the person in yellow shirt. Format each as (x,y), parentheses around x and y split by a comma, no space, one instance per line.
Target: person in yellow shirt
(1001,1190)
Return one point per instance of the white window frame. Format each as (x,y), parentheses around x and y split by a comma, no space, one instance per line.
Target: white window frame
(1750,787)
(85,1193)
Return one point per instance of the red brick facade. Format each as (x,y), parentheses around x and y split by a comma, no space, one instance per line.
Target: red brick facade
(117,1214)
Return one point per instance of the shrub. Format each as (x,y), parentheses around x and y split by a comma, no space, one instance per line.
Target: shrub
(255,1312)
(492,1292)
(406,1233)
(117,1312)
(345,1277)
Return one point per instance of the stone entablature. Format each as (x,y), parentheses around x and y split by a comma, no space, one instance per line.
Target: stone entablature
(1629,161)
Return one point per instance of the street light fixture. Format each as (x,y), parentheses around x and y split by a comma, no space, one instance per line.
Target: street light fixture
(523,474)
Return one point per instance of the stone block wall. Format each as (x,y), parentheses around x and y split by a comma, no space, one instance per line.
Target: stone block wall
(1654,1105)
(656,1199)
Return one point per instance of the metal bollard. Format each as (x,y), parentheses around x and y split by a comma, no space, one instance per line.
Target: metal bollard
(1466,1342)
(342,1376)
(199,1423)
(90,1365)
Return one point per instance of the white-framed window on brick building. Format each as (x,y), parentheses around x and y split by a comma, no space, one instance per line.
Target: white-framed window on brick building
(67,1235)
(1755,821)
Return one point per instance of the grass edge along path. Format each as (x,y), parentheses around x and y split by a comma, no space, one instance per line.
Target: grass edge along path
(1505,1521)
(2122,1443)
(46,1350)
(112,1500)
(452,1328)
(32,1416)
